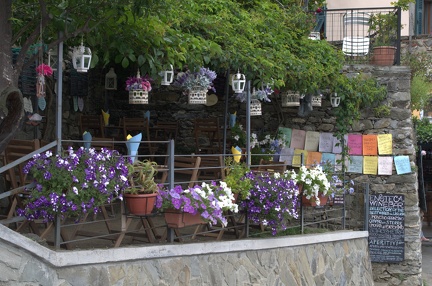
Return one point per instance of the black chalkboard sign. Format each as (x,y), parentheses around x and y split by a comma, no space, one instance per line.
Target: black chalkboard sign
(338,200)
(386,228)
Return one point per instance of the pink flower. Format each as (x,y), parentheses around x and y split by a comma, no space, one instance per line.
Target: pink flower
(423,153)
(44,69)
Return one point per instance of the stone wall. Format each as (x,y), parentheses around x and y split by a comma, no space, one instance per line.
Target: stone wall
(399,124)
(337,258)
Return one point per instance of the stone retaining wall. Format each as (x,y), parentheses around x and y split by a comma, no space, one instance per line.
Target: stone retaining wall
(336,258)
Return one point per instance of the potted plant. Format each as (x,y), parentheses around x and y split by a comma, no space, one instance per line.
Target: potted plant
(313,184)
(273,200)
(196,205)
(74,184)
(138,88)
(197,84)
(140,196)
(383,31)
(236,179)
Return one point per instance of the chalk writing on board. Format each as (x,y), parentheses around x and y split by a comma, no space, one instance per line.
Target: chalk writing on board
(386,227)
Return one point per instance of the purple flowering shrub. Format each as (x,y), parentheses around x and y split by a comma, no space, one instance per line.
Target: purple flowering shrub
(73,184)
(209,200)
(273,201)
(202,79)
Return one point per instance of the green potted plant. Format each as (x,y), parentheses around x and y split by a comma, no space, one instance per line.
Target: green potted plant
(236,179)
(140,196)
(383,31)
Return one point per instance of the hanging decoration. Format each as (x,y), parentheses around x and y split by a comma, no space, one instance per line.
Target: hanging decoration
(238,82)
(111,80)
(167,76)
(138,88)
(335,99)
(290,98)
(81,58)
(197,84)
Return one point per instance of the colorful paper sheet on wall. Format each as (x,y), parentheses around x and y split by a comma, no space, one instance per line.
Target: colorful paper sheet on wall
(298,139)
(402,164)
(287,132)
(329,158)
(338,163)
(325,142)
(385,165)
(312,141)
(286,155)
(385,144)
(297,159)
(313,158)
(355,144)
(355,165)
(370,144)
(370,165)
(337,144)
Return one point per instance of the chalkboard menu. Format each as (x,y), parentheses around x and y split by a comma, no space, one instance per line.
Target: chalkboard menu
(386,228)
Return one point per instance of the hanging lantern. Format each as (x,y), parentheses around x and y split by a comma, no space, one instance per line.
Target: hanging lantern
(238,82)
(335,100)
(52,59)
(81,58)
(111,80)
(167,76)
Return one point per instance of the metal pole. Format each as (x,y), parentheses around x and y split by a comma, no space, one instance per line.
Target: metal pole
(366,207)
(226,113)
(248,123)
(57,236)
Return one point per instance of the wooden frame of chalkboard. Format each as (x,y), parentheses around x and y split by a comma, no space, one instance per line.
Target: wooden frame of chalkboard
(386,225)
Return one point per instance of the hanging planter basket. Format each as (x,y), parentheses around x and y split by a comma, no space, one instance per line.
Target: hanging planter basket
(138,96)
(316,100)
(255,107)
(290,99)
(197,96)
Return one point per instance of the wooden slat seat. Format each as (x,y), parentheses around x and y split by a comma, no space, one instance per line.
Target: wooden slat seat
(93,124)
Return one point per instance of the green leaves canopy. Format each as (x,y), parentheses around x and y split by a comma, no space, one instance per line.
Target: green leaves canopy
(266,40)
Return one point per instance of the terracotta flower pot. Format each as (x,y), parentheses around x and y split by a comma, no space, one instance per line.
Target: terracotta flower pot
(383,56)
(178,219)
(312,202)
(140,204)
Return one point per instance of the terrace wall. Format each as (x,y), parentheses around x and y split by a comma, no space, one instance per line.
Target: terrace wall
(337,258)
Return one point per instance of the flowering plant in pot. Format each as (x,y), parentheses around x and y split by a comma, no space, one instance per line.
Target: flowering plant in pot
(138,83)
(273,200)
(313,182)
(202,79)
(140,196)
(208,200)
(74,184)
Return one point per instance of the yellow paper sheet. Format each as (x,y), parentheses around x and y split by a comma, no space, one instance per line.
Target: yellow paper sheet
(385,144)
(297,162)
(370,165)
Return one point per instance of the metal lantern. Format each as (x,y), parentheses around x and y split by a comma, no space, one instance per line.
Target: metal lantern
(111,80)
(81,58)
(238,82)
(52,59)
(167,76)
(335,100)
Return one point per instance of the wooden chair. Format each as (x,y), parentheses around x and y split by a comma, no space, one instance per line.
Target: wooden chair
(211,168)
(271,167)
(207,134)
(184,165)
(93,124)
(15,176)
(164,131)
(98,143)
